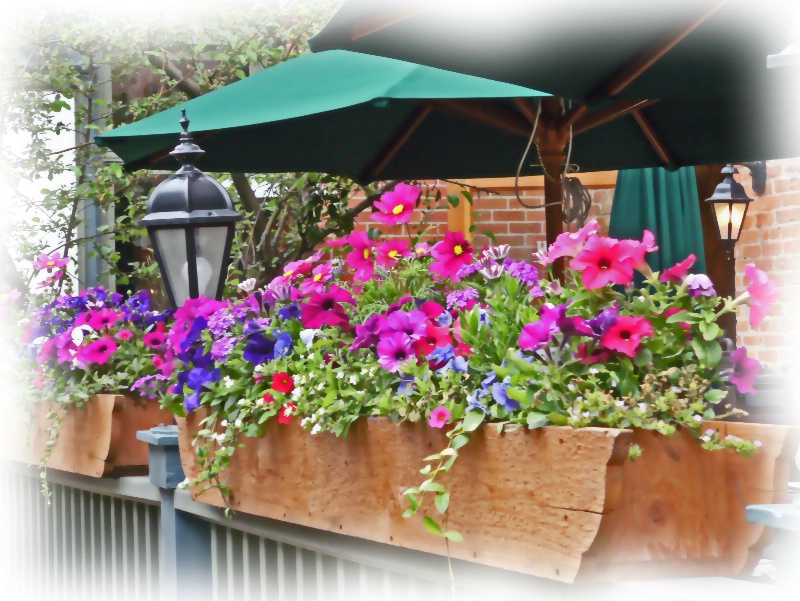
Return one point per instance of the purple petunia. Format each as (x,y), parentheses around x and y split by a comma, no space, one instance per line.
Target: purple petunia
(395,350)
(699,284)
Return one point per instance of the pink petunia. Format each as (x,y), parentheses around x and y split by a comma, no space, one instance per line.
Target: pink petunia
(603,261)
(50,262)
(745,371)
(157,361)
(336,242)
(396,206)
(570,244)
(438,417)
(325,308)
(295,269)
(154,340)
(678,272)
(763,293)
(635,250)
(394,350)
(451,254)
(537,334)
(104,318)
(98,352)
(361,257)
(422,249)
(626,335)
(124,335)
(391,251)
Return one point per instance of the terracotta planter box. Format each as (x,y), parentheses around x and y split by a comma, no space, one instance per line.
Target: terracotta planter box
(100,439)
(556,502)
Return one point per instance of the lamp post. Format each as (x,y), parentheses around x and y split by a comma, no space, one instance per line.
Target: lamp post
(190,220)
(730,203)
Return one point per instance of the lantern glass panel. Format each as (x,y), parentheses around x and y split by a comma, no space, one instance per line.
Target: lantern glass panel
(171,244)
(730,214)
(210,242)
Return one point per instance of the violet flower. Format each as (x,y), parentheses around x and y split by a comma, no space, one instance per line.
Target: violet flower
(394,350)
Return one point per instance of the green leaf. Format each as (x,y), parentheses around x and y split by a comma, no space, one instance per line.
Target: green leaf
(472,420)
(536,420)
(557,419)
(432,525)
(442,502)
(643,357)
(429,486)
(453,199)
(459,441)
(453,536)
(708,415)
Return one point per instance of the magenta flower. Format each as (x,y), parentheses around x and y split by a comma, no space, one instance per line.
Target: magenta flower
(569,244)
(124,335)
(103,318)
(325,308)
(537,334)
(394,350)
(451,254)
(635,250)
(390,252)
(421,249)
(49,262)
(763,293)
(98,352)
(396,206)
(745,371)
(438,417)
(336,242)
(295,269)
(316,281)
(678,272)
(411,323)
(154,340)
(361,256)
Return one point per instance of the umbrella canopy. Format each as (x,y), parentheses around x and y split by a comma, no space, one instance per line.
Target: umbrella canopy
(345,113)
(666,203)
(701,64)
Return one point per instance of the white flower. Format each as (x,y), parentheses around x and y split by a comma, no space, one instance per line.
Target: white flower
(316,429)
(697,418)
(353,380)
(260,401)
(586,414)
(308,335)
(705,438)
(620,404)
(756,443)
(321,386)
(594,370)
(642,406)
(238,423)
(224,423)
(228,382)
(79,333)
(184,483)
(247,285)
(241,402)
(340,375)
(222,449)
(571,387)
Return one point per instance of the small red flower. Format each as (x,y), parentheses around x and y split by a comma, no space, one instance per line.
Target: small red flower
(154,340)
(268,398)
(282,382)
(286,413)
(157,361)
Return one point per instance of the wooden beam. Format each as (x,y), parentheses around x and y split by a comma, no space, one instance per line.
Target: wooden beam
(625,77)
(573,115)
(653,138)
(615,111)
(386,18)
(391,150)
(593,179)
(526,109)
(459,218)
(489,112)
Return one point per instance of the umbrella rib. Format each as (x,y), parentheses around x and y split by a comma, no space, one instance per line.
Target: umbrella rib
(653,138)
(391,149)
(386,18)
(625,77)
(154,158)
(489,113)
(610,113)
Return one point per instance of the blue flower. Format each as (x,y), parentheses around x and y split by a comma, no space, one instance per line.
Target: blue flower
(473,401)
(290,312)
(260,348)
(406,387)
(196,380)
(443,359)
(500,395)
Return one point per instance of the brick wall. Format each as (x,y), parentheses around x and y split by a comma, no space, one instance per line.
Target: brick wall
(771,239)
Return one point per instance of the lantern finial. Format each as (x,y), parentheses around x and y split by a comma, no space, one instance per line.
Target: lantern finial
(187,152)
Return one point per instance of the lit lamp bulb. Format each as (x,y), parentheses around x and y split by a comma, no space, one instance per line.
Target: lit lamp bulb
(204,273)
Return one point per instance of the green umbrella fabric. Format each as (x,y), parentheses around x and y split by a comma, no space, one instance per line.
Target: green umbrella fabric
(666,203)
(715,100)
(337,112)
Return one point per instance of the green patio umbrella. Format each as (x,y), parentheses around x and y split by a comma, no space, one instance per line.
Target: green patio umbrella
(344,113)
(696,68)
(666,203)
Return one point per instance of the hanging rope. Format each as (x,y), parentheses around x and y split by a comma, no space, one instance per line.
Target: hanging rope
(575,199)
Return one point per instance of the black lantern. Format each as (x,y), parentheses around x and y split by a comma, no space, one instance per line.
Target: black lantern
(190,220)
(730,206)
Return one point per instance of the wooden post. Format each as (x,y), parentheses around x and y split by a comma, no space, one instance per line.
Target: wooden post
(552,144)
(459,218)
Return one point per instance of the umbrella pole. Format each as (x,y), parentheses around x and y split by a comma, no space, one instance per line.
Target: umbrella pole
(552,145)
